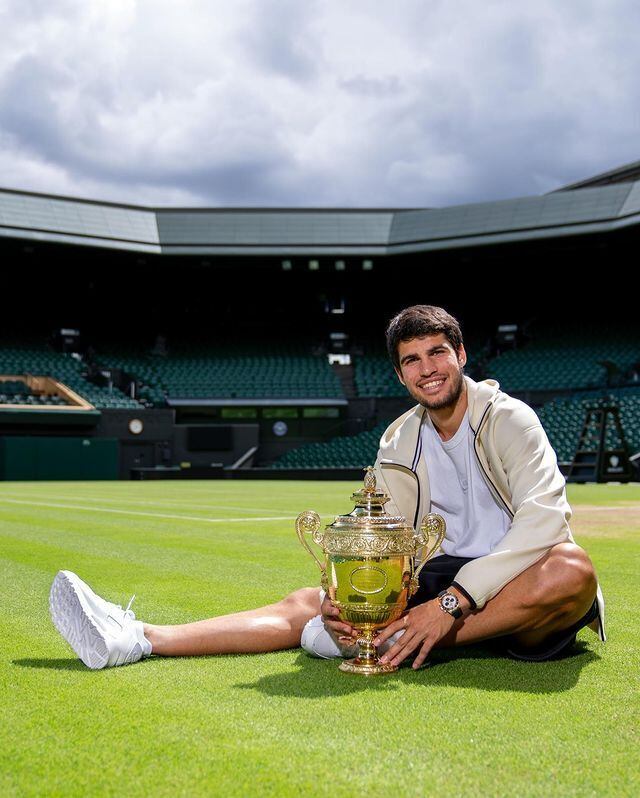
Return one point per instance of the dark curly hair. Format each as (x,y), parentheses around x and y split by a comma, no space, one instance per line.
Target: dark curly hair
(417,322)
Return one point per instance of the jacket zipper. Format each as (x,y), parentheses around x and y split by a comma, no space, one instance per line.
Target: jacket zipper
(416,455)
(414,465)
(487,477)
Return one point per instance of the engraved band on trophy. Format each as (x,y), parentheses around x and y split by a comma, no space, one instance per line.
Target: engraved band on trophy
(369,566)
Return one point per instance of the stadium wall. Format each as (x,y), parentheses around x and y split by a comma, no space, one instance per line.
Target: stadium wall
(55,458)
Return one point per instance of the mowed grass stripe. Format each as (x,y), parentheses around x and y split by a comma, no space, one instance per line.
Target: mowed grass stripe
(91,509)
(141,541)
(155,502)
(197,563)
(284,724)
(273,497)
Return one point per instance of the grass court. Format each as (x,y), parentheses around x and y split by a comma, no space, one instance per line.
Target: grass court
(284,724)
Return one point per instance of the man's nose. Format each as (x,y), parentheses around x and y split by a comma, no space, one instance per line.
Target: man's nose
(427,366)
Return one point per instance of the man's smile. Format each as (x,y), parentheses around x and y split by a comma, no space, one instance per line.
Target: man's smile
(431,385)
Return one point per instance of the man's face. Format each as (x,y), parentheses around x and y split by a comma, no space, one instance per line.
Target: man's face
(431,370)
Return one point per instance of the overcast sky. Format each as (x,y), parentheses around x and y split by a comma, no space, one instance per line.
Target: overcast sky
(315,102)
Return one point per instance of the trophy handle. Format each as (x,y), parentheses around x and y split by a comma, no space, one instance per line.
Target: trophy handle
(433,526)
(309,522)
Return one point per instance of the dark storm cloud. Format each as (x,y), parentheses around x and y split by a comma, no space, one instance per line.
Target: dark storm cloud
(318,103)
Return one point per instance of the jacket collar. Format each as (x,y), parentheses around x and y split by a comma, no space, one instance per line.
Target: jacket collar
(480,395)
(401,442)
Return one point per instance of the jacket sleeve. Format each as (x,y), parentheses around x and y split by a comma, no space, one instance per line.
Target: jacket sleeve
(541,512)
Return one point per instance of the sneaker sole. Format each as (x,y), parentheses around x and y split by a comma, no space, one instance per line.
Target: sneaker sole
(71,619)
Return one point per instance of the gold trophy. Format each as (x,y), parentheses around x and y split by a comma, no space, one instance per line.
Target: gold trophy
(368,569)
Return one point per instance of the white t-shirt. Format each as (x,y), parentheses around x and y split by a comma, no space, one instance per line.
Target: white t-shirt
(459,493)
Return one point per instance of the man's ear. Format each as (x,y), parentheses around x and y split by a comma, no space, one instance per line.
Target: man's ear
(399,376)
(462,356)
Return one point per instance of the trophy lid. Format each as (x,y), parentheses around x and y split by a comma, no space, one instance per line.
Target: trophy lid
(369,513)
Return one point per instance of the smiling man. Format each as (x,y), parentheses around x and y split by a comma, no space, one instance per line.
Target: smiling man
(509,567)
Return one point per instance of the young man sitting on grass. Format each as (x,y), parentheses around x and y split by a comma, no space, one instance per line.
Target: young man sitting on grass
(509,568)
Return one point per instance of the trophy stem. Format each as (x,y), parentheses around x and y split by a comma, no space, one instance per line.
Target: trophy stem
(367,662)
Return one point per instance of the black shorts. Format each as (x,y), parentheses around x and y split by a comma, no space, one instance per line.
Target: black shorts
(439,573)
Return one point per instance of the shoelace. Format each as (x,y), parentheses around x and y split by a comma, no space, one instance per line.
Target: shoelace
(133,654)
(128,609)
(126,613)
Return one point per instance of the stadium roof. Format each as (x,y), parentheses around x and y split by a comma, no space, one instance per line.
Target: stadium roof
(621,174)
(334,232)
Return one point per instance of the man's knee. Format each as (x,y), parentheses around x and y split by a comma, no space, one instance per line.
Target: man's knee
(566,577)
(318,641)
(305,601)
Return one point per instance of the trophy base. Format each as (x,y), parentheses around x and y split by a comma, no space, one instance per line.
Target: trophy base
(366,667)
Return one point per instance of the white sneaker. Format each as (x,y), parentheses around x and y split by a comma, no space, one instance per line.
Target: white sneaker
(101,633)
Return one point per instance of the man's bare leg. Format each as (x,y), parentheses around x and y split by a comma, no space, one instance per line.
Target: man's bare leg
(269,628)
(549,596)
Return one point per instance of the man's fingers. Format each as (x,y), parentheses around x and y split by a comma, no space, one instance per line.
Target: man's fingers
(400,649)
(331,618)
(340,628)
(396,657)
(386,633)
(398,653)
(422,655)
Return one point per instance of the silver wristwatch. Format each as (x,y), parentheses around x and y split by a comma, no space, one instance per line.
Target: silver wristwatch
(449,603)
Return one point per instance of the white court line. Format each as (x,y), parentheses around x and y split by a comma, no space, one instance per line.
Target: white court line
(149,515)
(154,503)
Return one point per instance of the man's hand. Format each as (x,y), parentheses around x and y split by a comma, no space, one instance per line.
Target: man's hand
(345,633)
(424,626)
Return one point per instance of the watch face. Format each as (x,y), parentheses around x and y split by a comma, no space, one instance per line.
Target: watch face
(449,601)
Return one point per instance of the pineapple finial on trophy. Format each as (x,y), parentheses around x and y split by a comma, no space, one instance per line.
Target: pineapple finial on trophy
(369,479)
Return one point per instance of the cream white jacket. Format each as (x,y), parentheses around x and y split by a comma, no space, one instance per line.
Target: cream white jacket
(520,468)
